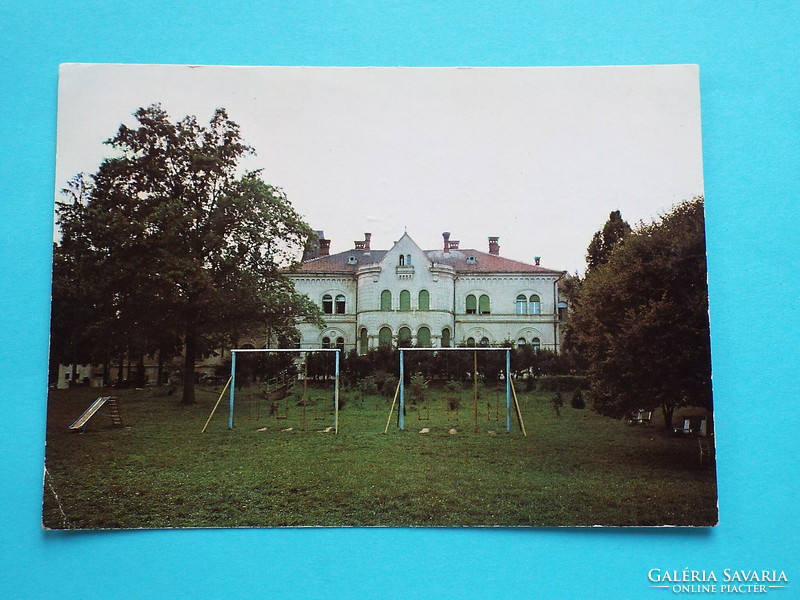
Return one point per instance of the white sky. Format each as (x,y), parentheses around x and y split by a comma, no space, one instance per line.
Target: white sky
(536,156)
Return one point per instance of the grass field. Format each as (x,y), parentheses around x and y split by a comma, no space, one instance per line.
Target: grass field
(160,471)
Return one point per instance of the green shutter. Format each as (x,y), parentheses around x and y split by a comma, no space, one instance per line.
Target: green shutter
(424,337)
(484,305)
(424,300)
(405,300)
(385,337)
(386,300)
(445,338)
(472,305)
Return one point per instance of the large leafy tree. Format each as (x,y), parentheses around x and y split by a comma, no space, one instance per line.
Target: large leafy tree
(640,319)
(175,247)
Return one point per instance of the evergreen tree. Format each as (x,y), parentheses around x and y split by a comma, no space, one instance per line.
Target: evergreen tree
(604,241)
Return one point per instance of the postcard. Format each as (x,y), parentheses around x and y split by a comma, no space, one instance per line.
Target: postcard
(426,297)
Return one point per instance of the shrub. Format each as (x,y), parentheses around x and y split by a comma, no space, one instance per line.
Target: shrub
(453,393)
(418,388)
(367,386)
(558,402)
(577,399)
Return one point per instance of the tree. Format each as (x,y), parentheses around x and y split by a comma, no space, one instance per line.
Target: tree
(640,320)
(604,241)
(179,245)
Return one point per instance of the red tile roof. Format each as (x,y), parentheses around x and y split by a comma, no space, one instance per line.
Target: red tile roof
(341,263)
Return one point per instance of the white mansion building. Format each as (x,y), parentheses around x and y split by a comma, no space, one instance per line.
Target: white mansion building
(428,298)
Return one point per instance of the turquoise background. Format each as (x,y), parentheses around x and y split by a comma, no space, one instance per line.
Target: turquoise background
(750,78)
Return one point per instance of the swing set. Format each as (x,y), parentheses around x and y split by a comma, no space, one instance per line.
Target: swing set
(279,391)
(454,399)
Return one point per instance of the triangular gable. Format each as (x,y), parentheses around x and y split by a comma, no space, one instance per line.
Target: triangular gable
(405,247)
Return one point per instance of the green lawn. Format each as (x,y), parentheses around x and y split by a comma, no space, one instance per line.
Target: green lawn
(160,471)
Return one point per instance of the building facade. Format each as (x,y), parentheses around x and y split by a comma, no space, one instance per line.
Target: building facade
(428,298)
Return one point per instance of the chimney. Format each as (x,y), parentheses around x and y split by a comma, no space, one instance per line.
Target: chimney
(324,247)
(494,247)
(446,236)
(536,260)
(367,238)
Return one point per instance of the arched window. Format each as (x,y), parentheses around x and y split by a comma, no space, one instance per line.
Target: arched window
(472,305)
(385,337)
(471,342)
(386,300)
(402,260)
(363,341)
(522,305)
(408,260)
(340,303)
(521,342)
(424,300)
(327,304)
(340,343)
(536,343)
(484,342)
(445,338)
(535,305)
(404,337)
(326,342)
(424,337)
(483,305)
(405,300)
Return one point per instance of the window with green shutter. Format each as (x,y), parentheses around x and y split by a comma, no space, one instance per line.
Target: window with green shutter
(472,305)
(424,337)
(404,337)
(483,305)
(386,300)
(385,337)
(424,300)
(405,300)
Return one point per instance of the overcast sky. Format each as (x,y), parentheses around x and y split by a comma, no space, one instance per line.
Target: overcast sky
(536,156)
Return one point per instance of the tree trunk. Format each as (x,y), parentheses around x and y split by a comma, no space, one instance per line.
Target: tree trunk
(668,412)
(121,367)
(160,375)
(141,376)
(190,355)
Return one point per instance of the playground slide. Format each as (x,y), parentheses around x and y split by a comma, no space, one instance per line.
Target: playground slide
(89,412)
